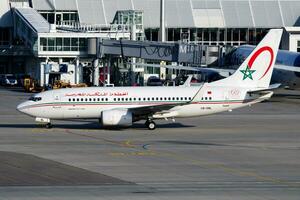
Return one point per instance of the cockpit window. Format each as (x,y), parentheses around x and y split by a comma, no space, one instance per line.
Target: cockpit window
(35,98)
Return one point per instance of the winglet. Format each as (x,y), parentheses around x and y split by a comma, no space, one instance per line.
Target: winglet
(187,82)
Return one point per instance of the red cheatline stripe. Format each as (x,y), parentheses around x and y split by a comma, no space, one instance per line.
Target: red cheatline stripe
(92,104)
(145,104)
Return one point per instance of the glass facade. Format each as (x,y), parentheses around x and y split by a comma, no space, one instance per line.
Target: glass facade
(4,36)
(61,16)
(151,34)
(131,18)
(211,36)
(28,36)
(63,44)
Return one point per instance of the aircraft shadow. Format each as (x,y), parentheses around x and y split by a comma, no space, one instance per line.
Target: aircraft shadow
(189,143)
(13,88)
(18,126)
(289,96)
(91,126)
(169,125)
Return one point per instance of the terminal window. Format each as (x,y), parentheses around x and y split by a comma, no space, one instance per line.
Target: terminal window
(4,36)
(63,44)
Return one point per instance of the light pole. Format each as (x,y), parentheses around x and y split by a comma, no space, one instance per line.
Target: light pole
(162,21)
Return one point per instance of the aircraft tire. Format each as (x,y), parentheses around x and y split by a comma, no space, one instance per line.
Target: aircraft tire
(48,125)
(151,125)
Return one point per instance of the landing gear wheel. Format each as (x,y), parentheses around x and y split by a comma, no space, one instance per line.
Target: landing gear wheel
(151,125)
(48,125)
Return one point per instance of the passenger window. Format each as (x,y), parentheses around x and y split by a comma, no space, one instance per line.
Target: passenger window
(73,99)
(94,99)
(134,99)
(98,99)
(69,99)
(122,99)
(148,99)
(115,99)
(82,99)
(177,98)
(190,98)
(130,99)
(152,98)
(77,99)
(210,98)
(185,98)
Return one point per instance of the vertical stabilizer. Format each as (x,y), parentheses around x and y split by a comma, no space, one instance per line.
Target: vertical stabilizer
(257,69)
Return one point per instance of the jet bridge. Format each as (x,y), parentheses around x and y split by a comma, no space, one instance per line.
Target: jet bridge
(156,51)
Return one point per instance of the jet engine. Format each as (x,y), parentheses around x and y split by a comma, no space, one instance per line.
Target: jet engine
(116,118)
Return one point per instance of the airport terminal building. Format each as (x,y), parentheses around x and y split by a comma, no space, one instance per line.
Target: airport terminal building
(56,39)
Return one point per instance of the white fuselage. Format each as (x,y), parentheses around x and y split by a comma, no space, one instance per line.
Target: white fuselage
(87,103)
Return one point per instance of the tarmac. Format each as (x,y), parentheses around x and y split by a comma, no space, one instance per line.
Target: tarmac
(250,153)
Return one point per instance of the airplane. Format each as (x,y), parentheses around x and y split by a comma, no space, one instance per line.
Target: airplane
(286,69)
(122,106)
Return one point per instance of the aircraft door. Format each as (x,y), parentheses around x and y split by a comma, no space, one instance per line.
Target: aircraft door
(226,100)
(57,105)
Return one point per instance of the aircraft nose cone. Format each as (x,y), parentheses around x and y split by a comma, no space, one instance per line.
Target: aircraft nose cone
(20,107)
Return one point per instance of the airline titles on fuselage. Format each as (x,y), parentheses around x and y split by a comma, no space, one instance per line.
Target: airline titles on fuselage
(97,94)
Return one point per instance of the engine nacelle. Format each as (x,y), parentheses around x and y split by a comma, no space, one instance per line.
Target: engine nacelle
(116,118)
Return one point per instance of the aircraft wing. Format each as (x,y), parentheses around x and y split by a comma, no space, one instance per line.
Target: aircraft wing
(152,109)
(169,66)
(222,72)
(288,68)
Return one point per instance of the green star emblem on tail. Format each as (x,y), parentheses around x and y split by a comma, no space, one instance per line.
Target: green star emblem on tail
(247,73)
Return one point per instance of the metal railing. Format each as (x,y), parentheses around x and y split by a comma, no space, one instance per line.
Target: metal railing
(93,28)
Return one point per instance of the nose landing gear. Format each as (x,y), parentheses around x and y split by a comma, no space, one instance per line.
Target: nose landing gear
(48,124)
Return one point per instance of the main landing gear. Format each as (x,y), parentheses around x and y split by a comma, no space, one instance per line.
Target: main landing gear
(150,124)
(48,126)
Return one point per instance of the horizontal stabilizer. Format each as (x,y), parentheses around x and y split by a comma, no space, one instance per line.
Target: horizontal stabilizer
(272,87)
